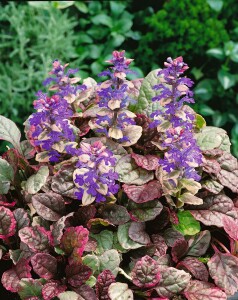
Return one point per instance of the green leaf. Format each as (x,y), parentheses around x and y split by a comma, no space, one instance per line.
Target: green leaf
(124,239)
(206,110)
(117,39)
(36,181)
(62,4)
(91,281)
(6,176)
(104,240)
(94,7)
(9,132)
(217,53)
(234,53)
(215,4)
(130,173)
(200,121)
(102,19)
(226,79)
(41,4)
(147,92)
(117,7)
(92,261)
(212,137)
(204,90)
(29,288)
(69,296)
(81,6)
(110,260)
(188,225)
(228,47)
(119,291)
(219,119)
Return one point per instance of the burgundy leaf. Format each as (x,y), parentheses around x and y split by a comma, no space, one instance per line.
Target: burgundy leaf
(148,162)
(214,208)
(137,233)
(84,214)
(211,166)
(91,245)
(36,238)
(160,244)
(77,274)
(231,227)
(115,214)
(85,292)
(58,227)
(199,290)
(74,237)
(195,267)
(145,273)
(143,193)
(11,278)
(22,218)
(7,223)
(4,201)
(171,236)
(172,282)
(52,289)
(229,179)
(44,265)
(199,244)
(62,181)
(49,206)
(223,269)
(103,282)
(179,249)
(145,211)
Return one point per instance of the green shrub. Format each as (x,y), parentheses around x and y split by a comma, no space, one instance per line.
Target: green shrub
(187,27)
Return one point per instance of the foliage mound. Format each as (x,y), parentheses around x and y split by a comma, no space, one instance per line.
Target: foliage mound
(120,191)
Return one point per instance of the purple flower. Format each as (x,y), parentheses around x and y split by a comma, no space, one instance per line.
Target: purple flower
(181,150)
(95,177)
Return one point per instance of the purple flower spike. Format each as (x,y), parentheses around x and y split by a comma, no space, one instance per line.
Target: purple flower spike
(182,152)
(95,177)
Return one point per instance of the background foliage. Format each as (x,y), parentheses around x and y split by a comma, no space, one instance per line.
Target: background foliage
(34,33)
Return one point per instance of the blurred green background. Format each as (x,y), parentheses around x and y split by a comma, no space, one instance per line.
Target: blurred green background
(84,33)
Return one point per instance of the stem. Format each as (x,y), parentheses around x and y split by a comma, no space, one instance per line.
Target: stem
(221,245)
(124,274)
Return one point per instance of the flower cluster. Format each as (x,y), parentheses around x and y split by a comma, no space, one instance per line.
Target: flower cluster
(95,176)
(50,125)
(176,121)
(113,118)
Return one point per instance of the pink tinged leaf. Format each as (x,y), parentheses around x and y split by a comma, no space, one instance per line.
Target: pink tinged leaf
(137,233)
(148,162)
(44,265)
(74,237)
(143,193)
(171,236)
(179,249)
(22,218)
(77,274)
(58,227)
(223,269)
(199,244)
(160,244)
(52,289)
(172,282)
(115,214)
(214,208)
(195,267)
(5,202)
(102,285)
(231,227)
(62,181)
(145,273)
(49,206)
(7,223)
(11,278)
(36,238)
(199,290)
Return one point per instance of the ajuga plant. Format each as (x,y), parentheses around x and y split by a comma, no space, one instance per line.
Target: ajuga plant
(120,191)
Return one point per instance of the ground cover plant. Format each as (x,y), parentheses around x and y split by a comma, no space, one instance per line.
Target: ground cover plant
(120,191)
